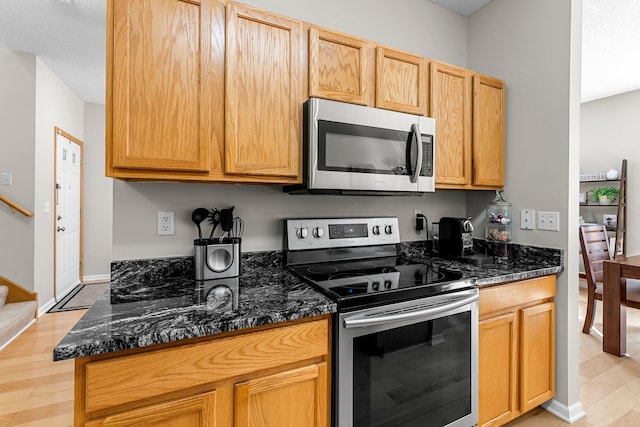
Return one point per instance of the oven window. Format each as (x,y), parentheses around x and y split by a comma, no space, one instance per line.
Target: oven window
(354,148)
(416,375)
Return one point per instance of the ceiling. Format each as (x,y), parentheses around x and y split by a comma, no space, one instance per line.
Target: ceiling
(69,36)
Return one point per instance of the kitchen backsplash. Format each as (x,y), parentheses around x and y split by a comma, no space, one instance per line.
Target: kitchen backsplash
(136,206)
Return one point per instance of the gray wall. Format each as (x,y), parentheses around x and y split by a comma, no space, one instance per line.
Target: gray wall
(17,156)
(98,197)
(417,26)
(542,72)
(56,105)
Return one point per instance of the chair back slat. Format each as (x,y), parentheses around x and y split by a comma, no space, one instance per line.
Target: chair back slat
(595,250)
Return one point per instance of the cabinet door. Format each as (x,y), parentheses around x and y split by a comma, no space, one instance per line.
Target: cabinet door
(401,81)
(341,67)
(498,350)
(264,93)
(537,360)
(295,398)
(451,107)
(488,131)
(157,106)
(198,411)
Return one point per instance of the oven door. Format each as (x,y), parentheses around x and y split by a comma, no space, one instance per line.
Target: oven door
(409,364)
(357,148)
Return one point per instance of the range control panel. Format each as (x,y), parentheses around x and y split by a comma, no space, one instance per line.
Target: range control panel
(308,233)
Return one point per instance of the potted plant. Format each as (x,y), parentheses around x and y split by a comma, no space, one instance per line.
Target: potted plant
(605,195)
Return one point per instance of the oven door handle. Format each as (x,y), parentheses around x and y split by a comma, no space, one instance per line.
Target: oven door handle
(408,315)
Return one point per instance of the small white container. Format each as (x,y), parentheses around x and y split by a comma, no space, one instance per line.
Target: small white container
(612,174)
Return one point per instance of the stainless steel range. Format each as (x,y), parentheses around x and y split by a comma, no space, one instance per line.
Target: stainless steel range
(405,335)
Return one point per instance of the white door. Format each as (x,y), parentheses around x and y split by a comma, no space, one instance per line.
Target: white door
(67,211)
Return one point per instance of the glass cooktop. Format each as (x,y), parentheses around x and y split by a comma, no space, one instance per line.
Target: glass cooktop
(363,283)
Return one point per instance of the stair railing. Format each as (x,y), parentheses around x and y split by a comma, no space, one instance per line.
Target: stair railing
(15,207)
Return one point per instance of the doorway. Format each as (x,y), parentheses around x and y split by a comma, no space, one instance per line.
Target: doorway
(67,212)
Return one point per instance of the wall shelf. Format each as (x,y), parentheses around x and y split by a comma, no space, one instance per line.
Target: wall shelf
(620,246)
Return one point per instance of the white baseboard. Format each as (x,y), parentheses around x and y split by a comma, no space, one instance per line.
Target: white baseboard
(97,278)
(43,310)
(568,414)
(16,335)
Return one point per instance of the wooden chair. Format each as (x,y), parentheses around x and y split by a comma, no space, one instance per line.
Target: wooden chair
(595,250)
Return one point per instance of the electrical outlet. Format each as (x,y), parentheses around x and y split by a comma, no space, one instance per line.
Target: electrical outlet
(528,219)
(165,224)
(549,221)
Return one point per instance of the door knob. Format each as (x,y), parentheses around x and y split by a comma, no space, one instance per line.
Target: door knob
(59,217)
(60,229)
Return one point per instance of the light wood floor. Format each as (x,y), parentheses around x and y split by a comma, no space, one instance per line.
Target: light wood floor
(35,391)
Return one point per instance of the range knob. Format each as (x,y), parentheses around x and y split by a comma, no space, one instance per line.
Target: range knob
(387,284)
(388,229)
(376,230)
(375,286)
(302,233)
(318,232)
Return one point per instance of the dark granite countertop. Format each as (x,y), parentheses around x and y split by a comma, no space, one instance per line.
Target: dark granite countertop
(524,262)
(158,301)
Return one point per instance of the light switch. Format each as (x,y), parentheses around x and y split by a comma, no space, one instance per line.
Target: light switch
(549,221)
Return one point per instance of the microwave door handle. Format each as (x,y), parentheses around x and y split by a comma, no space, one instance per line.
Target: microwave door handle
(418,142)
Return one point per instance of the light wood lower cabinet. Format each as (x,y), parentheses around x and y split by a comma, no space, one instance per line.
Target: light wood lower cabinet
(295,398)
(277,376)
(516,349)
(193,411)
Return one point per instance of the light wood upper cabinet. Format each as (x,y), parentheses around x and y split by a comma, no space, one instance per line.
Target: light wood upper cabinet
(157,91)
(264,93)
(488,131)
(450,105)
(295,398)
(516,349)
(401,81)
(341,67)
(469,111)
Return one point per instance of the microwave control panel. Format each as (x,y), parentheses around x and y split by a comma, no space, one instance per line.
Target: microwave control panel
(427,156)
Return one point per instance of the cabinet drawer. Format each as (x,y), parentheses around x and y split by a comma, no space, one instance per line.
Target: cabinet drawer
(144,375)
(513,295)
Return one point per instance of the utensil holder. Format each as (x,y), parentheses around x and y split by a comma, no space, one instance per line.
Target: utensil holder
(214,259)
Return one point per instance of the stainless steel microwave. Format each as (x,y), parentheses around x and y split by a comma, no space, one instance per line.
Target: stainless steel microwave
(353,149)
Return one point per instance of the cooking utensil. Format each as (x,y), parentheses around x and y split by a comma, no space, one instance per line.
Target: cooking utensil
(197,216)
(238,228)
(214,219)
(226,221)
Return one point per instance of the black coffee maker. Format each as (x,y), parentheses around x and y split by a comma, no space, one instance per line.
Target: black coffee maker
(455,237)
(456,241)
